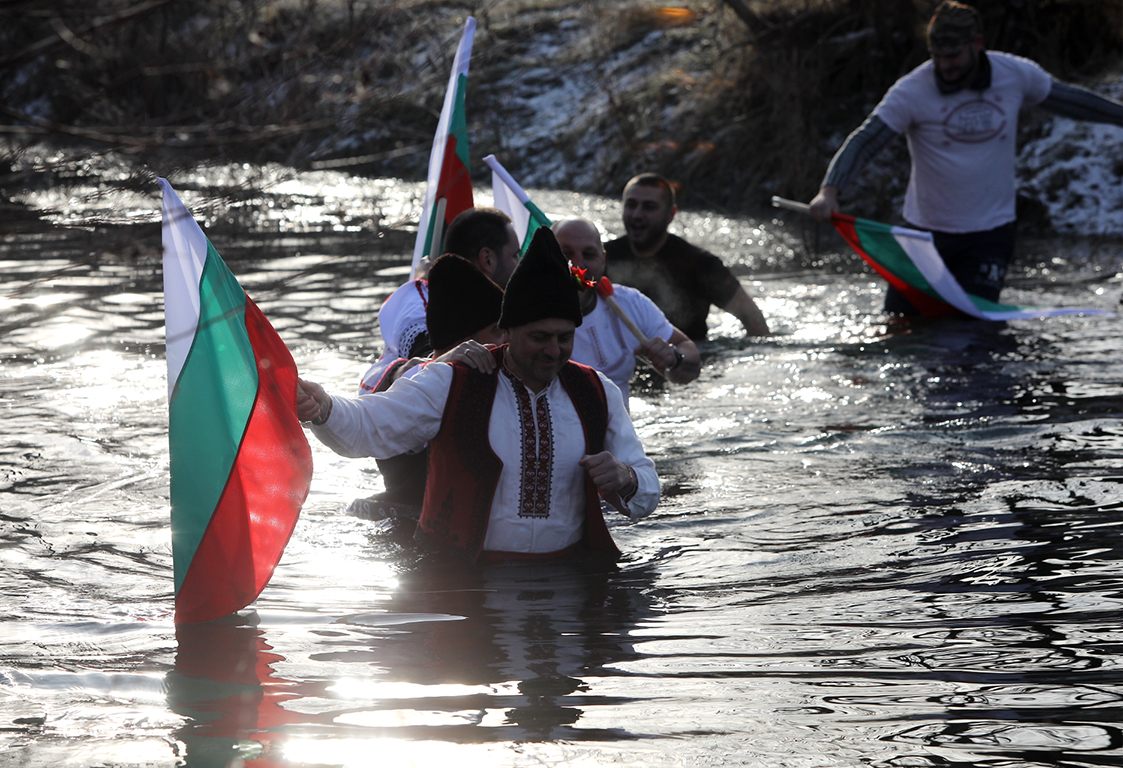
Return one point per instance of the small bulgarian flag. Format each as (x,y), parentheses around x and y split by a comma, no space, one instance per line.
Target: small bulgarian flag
(240,463)
(513,201)
(448,178)
(908,259)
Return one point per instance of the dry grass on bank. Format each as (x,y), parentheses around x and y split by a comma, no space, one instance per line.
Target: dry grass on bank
(739,99)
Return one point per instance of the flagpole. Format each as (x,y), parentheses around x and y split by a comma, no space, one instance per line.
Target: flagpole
(438,231)
(501,172)
(791,205)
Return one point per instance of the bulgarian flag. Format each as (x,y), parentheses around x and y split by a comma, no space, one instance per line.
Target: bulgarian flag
(513,201)
(448,178)
(240,463)
(908,259)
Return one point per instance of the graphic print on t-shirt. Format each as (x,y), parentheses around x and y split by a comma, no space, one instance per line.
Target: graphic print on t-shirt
(974,122)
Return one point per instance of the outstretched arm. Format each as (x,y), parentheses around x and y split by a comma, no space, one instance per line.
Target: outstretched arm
(745,309)
(859,147)
(1081,104)
(379,424)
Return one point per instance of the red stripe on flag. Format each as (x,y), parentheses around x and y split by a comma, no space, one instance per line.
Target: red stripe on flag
(260,504)
(455,184)
(925,304)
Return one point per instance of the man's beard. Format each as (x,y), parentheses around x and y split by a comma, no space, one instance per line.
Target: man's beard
(967,78)
(647,238)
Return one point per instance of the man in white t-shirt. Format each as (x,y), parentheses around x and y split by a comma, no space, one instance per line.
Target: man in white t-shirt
(959,112)
(603,341)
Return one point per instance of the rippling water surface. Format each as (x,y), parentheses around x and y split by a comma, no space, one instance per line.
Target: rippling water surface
(880,544)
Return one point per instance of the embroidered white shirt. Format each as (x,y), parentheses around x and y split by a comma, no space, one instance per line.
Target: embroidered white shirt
(539,500)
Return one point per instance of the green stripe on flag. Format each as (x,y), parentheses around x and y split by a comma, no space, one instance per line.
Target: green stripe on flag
(537,219)
(881,245)
(986,305)
(209,408)
(458,123)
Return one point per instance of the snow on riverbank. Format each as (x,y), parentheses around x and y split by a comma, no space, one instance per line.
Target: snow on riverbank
(1075,170)
(556,118)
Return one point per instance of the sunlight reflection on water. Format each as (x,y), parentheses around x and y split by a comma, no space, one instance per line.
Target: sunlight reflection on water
(879,544)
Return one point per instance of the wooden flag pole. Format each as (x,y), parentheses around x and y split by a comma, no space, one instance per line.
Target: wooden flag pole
(605,289)
(438,230)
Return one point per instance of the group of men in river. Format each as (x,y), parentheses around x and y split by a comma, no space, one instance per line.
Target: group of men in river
(500,402)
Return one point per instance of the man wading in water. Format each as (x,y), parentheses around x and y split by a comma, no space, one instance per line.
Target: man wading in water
(682,279)
(522,450)
(959,111)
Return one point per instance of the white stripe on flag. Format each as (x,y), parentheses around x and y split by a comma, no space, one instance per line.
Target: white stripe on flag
(185,254)
(506,201)
(921,250)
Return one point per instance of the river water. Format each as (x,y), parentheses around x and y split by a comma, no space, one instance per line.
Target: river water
(880,544)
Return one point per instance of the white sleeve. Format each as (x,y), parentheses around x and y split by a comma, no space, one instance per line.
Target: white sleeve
(1038,83)
(401,319)
(383,424)
(896,107)
(646,315)
(624,444)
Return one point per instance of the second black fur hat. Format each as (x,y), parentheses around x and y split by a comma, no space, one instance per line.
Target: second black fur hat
(541,286)
(462,301)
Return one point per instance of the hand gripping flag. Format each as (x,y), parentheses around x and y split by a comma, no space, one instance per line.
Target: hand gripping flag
(448,178)
(513,201)
(908,259)
(240,463)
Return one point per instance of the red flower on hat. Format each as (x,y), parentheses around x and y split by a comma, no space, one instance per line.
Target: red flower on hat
(579,279)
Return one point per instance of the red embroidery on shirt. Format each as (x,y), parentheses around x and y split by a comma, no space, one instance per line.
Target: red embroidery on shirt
(537,462)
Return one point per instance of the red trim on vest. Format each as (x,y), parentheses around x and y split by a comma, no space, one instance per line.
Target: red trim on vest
(464,470)
(586,390)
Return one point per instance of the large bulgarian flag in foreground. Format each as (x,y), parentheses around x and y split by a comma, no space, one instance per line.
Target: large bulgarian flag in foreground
(448,177)
(240,463)
(908,259)
(513,201)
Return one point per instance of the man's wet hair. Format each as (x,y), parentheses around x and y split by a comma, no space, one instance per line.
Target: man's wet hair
(476,229)
(654,180)
(953,25)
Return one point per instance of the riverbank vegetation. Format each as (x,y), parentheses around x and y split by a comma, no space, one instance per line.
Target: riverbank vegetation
(738,100)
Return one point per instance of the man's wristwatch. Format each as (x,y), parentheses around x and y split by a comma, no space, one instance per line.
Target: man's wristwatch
(678,359)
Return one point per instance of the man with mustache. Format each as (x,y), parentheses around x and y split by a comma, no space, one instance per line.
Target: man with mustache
(523,443)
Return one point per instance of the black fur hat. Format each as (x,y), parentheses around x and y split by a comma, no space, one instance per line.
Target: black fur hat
(541,286)
(462,301)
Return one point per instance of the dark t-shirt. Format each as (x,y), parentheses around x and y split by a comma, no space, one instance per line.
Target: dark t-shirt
(682,279)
